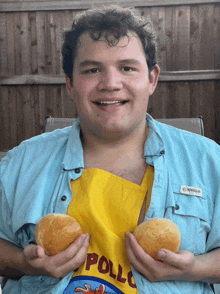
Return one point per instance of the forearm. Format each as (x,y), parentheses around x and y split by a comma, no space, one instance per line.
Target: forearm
(11,260)
(207,267)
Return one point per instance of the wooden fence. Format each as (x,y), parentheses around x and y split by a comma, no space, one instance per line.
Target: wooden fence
(33,84)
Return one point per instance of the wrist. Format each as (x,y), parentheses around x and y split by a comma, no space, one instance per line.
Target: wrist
(205,268)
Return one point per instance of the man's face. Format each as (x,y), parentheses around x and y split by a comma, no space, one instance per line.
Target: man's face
(111,86)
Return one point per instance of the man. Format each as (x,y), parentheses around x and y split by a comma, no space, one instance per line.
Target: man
(101,171)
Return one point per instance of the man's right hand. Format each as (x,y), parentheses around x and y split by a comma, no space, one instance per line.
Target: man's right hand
(36,262)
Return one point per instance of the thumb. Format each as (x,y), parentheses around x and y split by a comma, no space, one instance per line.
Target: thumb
(168,257)
(34,251)
(179,259)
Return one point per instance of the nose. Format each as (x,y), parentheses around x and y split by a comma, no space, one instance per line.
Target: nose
(110,80)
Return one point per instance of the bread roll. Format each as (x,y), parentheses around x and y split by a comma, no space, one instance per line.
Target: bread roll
(55,232)
(157,233)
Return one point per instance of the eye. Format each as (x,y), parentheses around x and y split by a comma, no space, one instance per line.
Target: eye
(92,70)
(127,68)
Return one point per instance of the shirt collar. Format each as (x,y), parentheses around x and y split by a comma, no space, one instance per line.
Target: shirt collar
(73,158)
(154,145)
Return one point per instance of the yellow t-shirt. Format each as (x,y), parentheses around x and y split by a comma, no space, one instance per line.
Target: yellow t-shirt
(106,206)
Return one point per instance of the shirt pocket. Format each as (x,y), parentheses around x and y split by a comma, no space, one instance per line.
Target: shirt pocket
(192,214)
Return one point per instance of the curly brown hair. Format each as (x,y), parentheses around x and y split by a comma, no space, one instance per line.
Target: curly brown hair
(110,23)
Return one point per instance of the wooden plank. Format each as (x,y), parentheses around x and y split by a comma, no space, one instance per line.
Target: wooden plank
(194,37)
(40,28)
(157,2)
(12,108)
(59,102)
(157,17)
(208,107)
(36,110)
(192,75)
(206,37)
(5,119)
(169,38)
(68,104)
(216,37)
(54,102)
(181,98)
(33,79)
(59,41)
(159,98)
(196,101)
(182,38)
(18,45)
(10,44)
(166,76)
(52,20)
(3,46)
(42,106)
(48,45)
(33,43)
(203,104)
(20,114)
(65,5)
(25,44)
(28,112)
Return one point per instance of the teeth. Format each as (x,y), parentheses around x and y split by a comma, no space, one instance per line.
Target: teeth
(109,102)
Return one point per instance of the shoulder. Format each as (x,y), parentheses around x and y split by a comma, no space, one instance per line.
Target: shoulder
(174,137)
(191,157)
(38,148)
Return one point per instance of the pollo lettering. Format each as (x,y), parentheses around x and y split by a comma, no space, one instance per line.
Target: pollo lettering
(106,266)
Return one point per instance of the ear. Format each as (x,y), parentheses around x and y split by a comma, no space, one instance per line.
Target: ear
(153,79)
(68,86)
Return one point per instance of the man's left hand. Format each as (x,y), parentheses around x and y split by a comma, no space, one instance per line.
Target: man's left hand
(168,266)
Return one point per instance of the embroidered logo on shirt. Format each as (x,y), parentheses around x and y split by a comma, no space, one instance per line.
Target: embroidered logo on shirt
(191,191)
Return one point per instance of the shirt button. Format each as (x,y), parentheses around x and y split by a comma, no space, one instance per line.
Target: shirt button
(77,170)
(162,152)
(63,198)
(177,207)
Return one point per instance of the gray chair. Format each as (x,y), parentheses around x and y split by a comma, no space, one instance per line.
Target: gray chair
(2,154)
(194,125)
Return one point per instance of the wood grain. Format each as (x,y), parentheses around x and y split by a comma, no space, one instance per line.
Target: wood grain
(42,5)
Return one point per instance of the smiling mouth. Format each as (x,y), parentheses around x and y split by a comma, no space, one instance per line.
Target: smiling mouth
(110,102)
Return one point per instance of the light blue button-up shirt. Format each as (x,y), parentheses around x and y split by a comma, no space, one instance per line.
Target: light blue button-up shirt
(35,175)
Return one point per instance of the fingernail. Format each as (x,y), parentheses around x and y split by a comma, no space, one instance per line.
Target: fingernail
(162,254)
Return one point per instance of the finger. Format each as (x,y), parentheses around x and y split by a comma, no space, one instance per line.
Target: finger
(63,257)
(75,262)
(33,251)
(40,252)
(179,260)
(136,249)
(143,266)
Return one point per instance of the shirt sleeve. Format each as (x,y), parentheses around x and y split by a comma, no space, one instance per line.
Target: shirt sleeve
(213,240)
(213,177)
(9,172)
(5,217)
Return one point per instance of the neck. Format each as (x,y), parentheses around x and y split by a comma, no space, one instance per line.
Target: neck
(114,154)
(132,141)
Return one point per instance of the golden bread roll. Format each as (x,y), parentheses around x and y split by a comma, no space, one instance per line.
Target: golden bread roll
(55,232)
(157,233)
